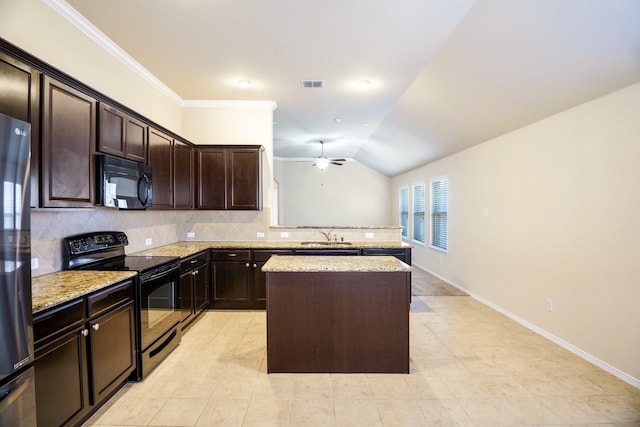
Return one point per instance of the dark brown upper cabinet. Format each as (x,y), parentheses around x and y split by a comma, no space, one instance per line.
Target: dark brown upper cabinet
(229,177)
(211,180)
(161,161)
(183,175)
(68,141)
(121,135)
(20,98)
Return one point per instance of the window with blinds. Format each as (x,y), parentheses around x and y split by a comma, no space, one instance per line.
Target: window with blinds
(439,211)
(404,210)
(418,213)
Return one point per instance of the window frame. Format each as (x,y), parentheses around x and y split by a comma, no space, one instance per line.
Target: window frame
(405,227)
(433,239)
(416,214)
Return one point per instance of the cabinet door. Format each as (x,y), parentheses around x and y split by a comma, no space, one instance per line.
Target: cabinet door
(19,98)
(183,172)
(201,288)
(230,281)
(111,131)
(186,297)
(211,170)
(68,141)
(113,355)
(160,159)
(243,179)
(259,283)
(136,140)
(62,391)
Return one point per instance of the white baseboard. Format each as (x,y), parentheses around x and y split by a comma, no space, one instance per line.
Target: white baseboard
(562,343)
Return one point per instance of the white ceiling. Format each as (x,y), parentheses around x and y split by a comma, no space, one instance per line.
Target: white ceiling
(445,75)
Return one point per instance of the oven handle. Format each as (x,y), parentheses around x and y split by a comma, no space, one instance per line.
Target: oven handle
(162,273)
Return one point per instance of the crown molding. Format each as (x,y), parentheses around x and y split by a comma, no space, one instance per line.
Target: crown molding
(91,31)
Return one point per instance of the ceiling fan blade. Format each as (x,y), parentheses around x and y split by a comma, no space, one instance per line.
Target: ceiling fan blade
(336,163)
(338,160)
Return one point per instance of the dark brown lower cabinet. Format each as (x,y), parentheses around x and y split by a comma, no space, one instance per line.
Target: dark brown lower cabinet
(85,351)
(62,392)
(237,279)
(194,286)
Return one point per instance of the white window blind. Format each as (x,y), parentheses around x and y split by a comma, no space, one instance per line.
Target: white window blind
(404,211)
(418,213)
(439,211)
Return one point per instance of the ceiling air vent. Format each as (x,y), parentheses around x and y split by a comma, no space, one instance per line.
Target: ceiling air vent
(312,83)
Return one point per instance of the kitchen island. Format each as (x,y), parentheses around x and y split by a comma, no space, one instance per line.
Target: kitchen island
(341,314)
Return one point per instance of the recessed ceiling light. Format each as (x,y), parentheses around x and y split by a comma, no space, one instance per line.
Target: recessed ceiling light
(364,84)
(244,83)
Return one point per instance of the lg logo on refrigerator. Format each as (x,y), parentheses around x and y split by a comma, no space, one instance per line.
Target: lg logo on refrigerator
(21,132)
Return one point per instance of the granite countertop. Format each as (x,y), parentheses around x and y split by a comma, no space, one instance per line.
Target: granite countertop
(56,288)
(321,263)
(186,249)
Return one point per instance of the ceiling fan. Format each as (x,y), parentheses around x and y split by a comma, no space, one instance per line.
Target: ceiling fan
(322,162)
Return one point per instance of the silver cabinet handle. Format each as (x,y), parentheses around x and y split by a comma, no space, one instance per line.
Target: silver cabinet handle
(193,261)
(255,265)
(247,265)
(232,254)
(95,327)
(84,332)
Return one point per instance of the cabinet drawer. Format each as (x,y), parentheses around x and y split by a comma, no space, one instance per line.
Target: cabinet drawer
(193,262)
(230,255)
(57,320)
(110,297)
(264,255)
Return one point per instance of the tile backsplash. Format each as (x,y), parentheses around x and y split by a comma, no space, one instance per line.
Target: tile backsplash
(48,228)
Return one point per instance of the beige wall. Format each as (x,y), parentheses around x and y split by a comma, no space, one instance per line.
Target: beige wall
(564,212)
(351,194)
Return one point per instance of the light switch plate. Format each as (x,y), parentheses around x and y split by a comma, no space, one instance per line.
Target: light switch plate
(260,235)
(191,234)
(368,235)
(34,263)
(148,241)
(284,234)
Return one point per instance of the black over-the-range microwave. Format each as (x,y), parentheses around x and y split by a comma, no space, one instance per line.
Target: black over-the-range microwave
(124,184)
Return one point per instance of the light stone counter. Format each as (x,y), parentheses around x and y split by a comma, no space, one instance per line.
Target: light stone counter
(311,264)
(186,249)
(56,288)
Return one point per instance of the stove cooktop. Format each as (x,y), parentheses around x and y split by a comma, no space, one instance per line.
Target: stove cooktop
(140,264)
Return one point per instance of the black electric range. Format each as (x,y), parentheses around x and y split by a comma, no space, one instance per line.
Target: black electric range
(157,296)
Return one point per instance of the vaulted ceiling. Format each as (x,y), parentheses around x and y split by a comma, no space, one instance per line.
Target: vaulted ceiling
(443,75)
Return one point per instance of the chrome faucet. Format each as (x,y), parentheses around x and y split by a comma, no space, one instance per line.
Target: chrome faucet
(327,234)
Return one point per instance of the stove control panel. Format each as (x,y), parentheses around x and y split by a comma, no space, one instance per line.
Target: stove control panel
(84,243)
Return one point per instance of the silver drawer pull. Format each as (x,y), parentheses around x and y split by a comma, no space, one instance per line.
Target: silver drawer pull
(193,261)
(232,254)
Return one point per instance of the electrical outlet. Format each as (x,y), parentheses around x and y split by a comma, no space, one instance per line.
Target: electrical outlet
(485,212)
(284,234)
(148,241)
(368,235)
(549,304)
(260,235)
(191,234)
(34,263)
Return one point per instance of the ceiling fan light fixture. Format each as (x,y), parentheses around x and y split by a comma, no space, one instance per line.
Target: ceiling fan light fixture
(364,84)
(244,83)
(322,163)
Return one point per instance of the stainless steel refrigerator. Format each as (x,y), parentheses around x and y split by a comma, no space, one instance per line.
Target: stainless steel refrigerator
(17,390)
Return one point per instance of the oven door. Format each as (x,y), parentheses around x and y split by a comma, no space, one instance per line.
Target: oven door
(159,304)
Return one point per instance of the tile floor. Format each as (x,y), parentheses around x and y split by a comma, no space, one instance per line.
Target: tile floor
(470,366)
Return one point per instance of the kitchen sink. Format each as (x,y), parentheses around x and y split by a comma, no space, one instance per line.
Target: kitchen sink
(323,243)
